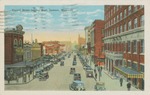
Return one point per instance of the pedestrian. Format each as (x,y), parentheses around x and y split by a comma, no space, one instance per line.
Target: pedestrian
(101,68)
(128,86)
(121,81)
(95,76)
(94,70)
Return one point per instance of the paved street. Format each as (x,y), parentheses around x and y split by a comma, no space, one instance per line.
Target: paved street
(60,79)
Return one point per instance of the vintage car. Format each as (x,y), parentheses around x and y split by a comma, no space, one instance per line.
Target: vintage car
(100,86)
(74,63)
(62,63)
(48,66)
(89,73)
(77,76)
(72,70)
(77,86)
(38,72)
(44,76)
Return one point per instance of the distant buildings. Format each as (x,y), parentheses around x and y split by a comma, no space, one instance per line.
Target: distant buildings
(14,45)
(27,47)
(36,50)
(81,42)
(124,42)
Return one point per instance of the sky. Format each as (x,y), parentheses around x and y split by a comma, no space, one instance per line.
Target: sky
(53,22)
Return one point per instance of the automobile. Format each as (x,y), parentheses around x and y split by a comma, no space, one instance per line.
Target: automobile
(48,66)
(74,63)
(77,86)
(44,76)
(38,72)
(86,66)
(89,73)
(100,86)
(62,63)
(77,76)
(72,70)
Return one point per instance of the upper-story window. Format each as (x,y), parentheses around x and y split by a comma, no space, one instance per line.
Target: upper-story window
(141,6)
(129,46)
(142,20)
(120,28)
(134,46)
(125,27)
(135,8)
(129,25)
(142,46)
(117,29)
(124,46)
(117,18)
(121,16)
(125,13)
(114,9)
(129,10)
(111,12)
(135,23)
(114,20)
(15,43)
(20,43)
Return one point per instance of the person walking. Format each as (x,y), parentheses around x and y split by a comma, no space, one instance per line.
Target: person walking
(95,76)
(128,86)
(121,81)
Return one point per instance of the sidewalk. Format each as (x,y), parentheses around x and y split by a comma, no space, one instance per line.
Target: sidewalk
(112,84)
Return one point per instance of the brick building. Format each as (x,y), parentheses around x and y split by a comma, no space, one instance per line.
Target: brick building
(81,42)
(14,45)
(97,44)
(124,42)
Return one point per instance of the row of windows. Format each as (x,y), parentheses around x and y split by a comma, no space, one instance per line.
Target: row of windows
(125,27)
(127,46)
(127,11)
(17,43)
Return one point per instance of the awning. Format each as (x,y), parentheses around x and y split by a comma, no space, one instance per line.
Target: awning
(129,73)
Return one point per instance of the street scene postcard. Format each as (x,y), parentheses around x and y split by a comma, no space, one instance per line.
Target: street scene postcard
(74,47)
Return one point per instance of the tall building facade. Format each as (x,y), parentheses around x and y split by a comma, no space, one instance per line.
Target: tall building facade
(14,45)
(97,44)
(124,42)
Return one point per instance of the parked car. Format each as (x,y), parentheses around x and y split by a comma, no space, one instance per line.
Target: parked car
(77,76)
(77,86)
(62,63)
(74,63)
(100,86)
(44,76)
(86,66)
(72,70)
(89,73)
(38,72)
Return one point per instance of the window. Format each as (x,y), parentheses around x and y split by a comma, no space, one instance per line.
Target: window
(124,27)
(135,23)
(111,12)
(129,46)
(121,28)
(142,20)
(134,66)
(20,43)
(117,18)
(129,25)
(141,6)
(114,31)
(134,46)
(15,43)
(121,16)
(124,46)
(114,9)
(129,64)
(125,13)
(129,10)
(142,68)
(118,29)
(135,8)
(142,46)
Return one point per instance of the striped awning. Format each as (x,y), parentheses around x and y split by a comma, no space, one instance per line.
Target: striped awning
(129,73)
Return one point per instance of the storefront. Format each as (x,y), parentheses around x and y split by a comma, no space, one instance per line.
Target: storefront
(136,78)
